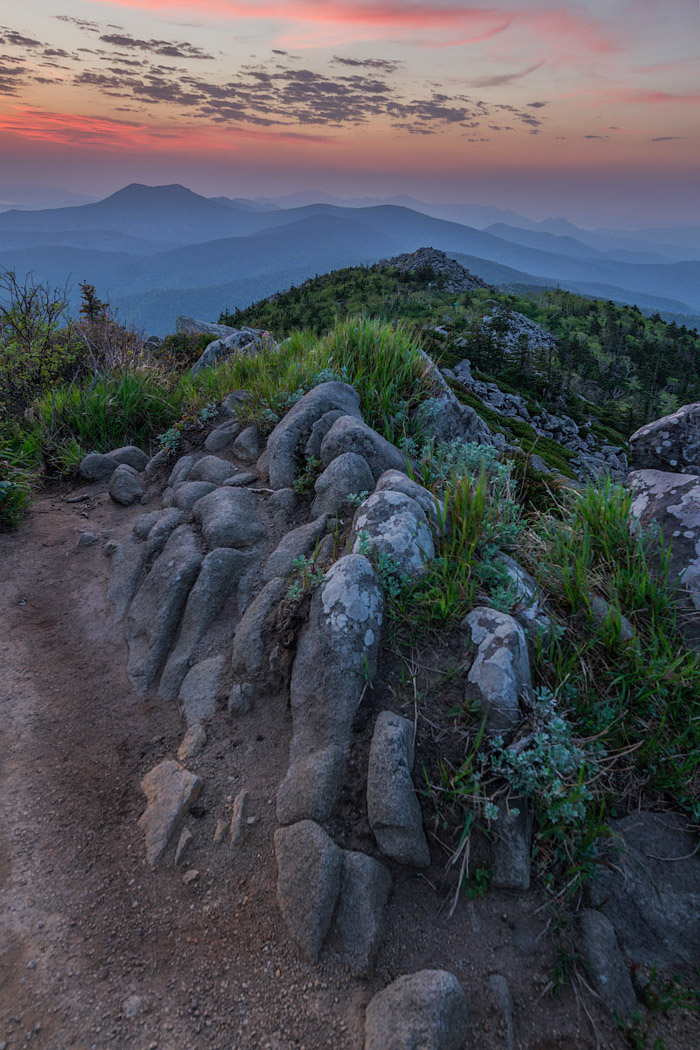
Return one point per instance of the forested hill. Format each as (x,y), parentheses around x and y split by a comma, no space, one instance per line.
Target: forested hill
(607,360)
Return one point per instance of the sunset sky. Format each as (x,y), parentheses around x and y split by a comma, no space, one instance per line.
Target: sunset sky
(588,110)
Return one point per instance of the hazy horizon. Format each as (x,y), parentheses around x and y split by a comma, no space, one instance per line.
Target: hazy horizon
(586,111)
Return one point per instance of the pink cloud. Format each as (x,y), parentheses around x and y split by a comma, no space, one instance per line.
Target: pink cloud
(651,98)
(361,20)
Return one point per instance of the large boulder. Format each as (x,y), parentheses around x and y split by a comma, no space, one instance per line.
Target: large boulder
(671,443)
(229,518)
(124,486)
(191,326)
(348,475)
(285,440)
(350,434)
(97,467)
(187,494)
(500,672)
(213,469)
(419,1011)
(649,889)
(309,868)
(336,657)
(447,419)
(155,612)
(394,813)
(131,456)
(394,525)
(217,583)
(672,501)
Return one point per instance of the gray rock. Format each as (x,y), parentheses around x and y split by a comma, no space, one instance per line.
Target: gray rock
(192,743)
(347,475)
(606,967)
(96,467)
(397,481)
(144,524)
(229,518)
(238,480)
(223,436)
(336,656)
(170,790)
(189,493)
(394,525)
(247,445)
(350,434)
(309,872)
(254,653)
(191,326)
(132,456)
(298,543)
(672,501)
(605,613)
(239,341)
(110,548)
(394,813)
(282,504)
(202,686)
(87,539)
(128,564)
(649,889)
(295,428)
(360,916)
(213,469)
(312,449)
(124,486)
(168,521)
(512,845)
(420,1011)
(501,669)
(529,607)
(180,471)
(499,988)
(156,464)
(156,610)
(221,572)
(671,444)
(447,419)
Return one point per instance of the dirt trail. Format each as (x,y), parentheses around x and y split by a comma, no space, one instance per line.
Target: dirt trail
(96,950)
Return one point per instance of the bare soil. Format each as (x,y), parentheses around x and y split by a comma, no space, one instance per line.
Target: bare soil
(97,950)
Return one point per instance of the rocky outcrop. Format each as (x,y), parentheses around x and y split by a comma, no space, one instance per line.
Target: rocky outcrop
(350,434)
(236,341)
(394,813)
(433,265)
(394,525)
(671,444)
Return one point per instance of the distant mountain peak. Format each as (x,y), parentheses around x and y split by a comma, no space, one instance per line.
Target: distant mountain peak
(139,190)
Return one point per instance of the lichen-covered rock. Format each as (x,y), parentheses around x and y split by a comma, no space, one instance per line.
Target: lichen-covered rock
(213,469)
(229,518)
(397,481)
(336,655)
(605,964)
(420,1011)
(238,341)
(672,501)
(500,672)
(346,476)
(124,486)
(360,915)
(284,442)
(394,525)
(217,583)
(650,890)
(155,612)
(529,605)
(297,543)
(170,790)
(350,434)
(309,871)
(670,444)
(394,813)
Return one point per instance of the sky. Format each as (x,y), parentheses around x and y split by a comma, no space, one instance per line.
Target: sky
(588,110)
